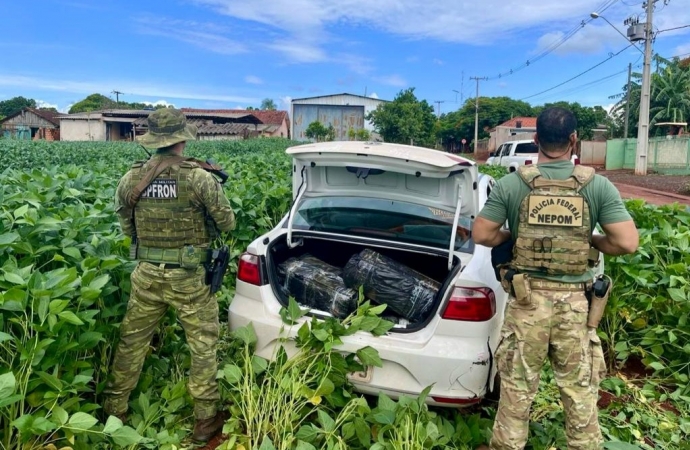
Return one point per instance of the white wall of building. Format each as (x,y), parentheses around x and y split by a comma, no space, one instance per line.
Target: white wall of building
(82,130)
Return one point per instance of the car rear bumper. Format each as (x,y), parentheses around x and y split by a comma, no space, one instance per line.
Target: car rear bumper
(457,368)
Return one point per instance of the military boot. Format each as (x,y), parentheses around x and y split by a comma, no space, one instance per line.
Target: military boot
(205,429)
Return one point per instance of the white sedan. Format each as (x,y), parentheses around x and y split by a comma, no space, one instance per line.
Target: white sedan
(414,206)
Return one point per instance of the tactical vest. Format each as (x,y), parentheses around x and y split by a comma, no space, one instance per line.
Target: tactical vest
(554,229)
(165,217)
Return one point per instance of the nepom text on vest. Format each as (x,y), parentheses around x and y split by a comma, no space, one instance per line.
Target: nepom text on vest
(562,202)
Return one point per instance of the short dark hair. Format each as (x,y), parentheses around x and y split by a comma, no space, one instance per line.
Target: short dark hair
(554,127)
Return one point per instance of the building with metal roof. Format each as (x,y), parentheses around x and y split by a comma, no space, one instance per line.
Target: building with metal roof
(343,111)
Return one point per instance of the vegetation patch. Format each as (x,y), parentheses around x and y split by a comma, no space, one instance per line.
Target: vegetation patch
(64,284)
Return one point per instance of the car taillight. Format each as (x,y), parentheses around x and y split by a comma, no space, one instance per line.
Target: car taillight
(248,270)
(528,162)
(473,304)
(577,161)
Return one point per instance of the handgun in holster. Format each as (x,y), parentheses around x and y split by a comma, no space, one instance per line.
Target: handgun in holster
(216,266)
(598,296)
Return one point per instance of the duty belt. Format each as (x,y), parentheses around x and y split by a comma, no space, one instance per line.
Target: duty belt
(172,255)
(559,286)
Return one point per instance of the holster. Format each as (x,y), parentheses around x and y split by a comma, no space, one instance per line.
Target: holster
(216,266)
(598,296)
(517,285)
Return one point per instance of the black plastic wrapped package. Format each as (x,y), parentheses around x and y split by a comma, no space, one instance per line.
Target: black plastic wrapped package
(386,281)
(318,285)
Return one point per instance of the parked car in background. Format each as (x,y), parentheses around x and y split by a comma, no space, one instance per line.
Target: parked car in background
(514,154)
(411,205)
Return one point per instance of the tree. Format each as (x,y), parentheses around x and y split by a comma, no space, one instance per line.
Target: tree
(493,111)
(358,135)
(11,106)
(669,96)
(317,131)
(405,120)
(269,104)
(95,102)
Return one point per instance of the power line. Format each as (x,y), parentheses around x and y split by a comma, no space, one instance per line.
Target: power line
(672,29)
(551,48)
(611,56)
(582,87)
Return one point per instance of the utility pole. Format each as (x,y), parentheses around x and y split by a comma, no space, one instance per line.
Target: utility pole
(438,102)
(643,127)
(627,103)
(476,114)
(117,96)
(462,88)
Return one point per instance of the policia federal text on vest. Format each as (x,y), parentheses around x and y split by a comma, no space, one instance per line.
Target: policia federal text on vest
(168,197)
(553,237)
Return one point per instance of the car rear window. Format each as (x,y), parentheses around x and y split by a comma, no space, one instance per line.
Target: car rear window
(530,147)
(383,219)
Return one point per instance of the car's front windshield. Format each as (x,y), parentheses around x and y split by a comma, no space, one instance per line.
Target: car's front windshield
(385,219)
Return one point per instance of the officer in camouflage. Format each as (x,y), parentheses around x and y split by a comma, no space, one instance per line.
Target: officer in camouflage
(172,209)
(552,209)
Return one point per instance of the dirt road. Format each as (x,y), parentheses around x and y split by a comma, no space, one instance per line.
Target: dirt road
(651,196)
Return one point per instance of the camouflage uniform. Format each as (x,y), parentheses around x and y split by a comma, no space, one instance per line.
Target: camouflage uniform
(546,316)
(181,207)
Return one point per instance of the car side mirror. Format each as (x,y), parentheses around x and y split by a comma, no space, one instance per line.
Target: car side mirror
(492,154)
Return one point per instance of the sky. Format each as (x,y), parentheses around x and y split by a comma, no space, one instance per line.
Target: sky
(234,53)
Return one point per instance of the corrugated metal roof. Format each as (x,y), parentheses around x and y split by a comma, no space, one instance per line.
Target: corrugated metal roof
(338,95)
(267,116)
(224,128)
(49,116)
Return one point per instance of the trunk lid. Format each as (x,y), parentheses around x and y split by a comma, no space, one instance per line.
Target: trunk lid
(444,185)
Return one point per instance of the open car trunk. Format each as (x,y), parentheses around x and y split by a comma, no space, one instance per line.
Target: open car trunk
(324,274)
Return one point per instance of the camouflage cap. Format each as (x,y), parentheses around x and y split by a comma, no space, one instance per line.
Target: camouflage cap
(167,126)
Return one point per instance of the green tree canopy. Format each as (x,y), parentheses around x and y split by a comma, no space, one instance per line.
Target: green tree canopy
(405,120)
(493,111)
(669,97)
(96,102)
(268,103)
(11,106)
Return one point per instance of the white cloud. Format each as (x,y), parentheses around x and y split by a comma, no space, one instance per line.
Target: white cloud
(591,39)
(159,103)
(139,88)
(437,19)
(253,79)
(392,80)
(42,104)
(439,62)
(683,49)
(207,36)
(374,95)
(285,102)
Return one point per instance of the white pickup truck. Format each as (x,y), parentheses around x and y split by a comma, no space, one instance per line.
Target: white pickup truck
(513,154)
